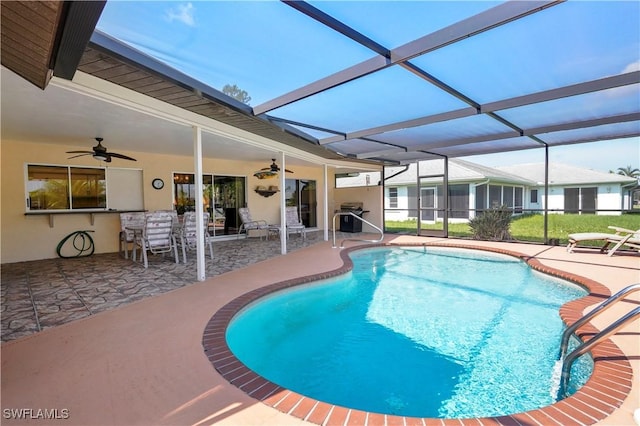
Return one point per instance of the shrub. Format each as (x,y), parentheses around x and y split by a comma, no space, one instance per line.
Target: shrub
(492,225)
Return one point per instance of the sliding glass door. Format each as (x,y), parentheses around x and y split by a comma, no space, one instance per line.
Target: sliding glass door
(222,196)
(302,193)
(229,195)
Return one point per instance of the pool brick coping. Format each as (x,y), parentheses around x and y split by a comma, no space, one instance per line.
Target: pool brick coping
(604,392)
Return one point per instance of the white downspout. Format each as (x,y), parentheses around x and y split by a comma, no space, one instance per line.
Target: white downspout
(486,199)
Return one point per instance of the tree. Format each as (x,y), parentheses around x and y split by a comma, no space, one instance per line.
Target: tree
(236,93)
(635,191)
(628,171)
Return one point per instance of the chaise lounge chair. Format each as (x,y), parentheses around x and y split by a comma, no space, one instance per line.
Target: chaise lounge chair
(622,237)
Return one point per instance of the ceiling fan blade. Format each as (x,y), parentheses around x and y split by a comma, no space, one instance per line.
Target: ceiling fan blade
(274,168)
(124,157)
(80,155)
(79,152)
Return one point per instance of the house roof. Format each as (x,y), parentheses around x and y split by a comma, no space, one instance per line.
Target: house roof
(470,108)
(459,171)
(563,174)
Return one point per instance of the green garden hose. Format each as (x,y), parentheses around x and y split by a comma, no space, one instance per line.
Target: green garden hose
(82,242)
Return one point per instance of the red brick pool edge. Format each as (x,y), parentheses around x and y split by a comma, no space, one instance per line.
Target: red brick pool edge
(604,392)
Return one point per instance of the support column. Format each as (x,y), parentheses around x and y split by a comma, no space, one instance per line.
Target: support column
(325,205)
(546,194)
(283,202)
(199,207)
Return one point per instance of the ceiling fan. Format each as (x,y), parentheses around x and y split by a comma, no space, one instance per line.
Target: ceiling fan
(274,167)
(100,153)
(269,172)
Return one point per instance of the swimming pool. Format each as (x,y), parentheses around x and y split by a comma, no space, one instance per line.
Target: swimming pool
(434,363)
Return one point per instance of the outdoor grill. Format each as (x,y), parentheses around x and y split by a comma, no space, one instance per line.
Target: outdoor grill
(349,223)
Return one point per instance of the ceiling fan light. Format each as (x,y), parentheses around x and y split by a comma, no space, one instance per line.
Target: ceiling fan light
(101,157)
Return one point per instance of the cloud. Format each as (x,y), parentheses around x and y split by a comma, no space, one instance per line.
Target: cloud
(182,13)
(634,66)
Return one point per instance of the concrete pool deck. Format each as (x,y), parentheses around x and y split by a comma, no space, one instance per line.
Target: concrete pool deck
(144,364)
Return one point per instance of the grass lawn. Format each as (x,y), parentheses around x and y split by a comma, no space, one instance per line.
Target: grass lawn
(531,227)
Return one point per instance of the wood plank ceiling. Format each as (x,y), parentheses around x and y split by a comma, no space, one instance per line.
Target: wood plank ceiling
(29,33)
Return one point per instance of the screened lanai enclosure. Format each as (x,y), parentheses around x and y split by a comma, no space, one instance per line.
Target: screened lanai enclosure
(542,202)
(404,82)
(398,83)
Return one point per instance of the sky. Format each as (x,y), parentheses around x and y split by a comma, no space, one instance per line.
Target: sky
(235,42)
(602,156)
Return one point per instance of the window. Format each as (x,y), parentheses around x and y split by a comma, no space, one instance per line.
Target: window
(356,179)
(588,199)
(65,188)
(481,198)
(580,200)
(495,196)
(571,200)
(393,198)
(459,201)
(534,196)
(518,195)
(509,196)
(184,192)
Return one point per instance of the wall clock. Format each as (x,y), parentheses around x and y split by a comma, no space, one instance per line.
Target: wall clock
(157,183)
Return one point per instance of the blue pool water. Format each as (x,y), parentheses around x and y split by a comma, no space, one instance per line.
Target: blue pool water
(424,332)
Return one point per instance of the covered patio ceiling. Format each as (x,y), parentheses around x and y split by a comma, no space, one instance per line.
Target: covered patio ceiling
(383,82)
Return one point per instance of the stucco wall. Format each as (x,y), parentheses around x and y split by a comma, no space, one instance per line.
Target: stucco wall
(370,196)
(403,204)
(609,198)
(30,237)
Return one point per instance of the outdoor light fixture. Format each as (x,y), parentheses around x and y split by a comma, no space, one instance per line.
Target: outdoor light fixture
(269,172)
(100,157)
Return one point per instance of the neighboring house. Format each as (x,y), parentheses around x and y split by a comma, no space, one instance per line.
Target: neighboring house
(473,188)
(577,190)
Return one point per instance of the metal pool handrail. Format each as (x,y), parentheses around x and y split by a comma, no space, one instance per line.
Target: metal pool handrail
(586,346)
(568,332)
(354,239)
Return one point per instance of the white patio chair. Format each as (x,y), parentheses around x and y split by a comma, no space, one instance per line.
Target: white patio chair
(129,221)
(248,224)
(157,236)
(187,240)
(294,225)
